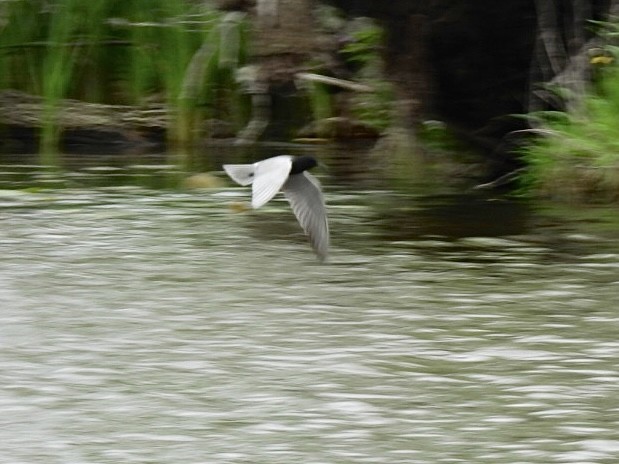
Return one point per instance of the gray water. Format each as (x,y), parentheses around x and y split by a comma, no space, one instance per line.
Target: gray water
(171,326)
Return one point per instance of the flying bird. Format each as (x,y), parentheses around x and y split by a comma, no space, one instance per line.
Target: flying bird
(289,174)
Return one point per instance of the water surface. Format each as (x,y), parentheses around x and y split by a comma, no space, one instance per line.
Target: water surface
(169,326)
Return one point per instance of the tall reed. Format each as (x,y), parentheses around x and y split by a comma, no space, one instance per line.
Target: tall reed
(140,77)
(176,52)
(22,44)
(210,73)
(177,49)
(57,69)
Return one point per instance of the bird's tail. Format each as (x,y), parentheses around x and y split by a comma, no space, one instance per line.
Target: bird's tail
(242,174)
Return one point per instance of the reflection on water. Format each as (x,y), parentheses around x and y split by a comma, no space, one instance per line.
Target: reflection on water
(163,326)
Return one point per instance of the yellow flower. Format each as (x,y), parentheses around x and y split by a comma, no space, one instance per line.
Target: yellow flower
(602,59)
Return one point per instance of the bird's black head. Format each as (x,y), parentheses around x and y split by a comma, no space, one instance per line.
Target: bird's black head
(302,163)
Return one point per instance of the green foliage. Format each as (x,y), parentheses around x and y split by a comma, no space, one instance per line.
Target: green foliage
(360,57)
(576,156)
(438,138)
(364,45)
(375,108)
(120,52)
(58,65)
(320,101)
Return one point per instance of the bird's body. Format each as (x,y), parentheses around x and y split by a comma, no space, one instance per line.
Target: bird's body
(289,175)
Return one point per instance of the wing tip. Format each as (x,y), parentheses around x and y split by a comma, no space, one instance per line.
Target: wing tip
(257,204)
(240,173)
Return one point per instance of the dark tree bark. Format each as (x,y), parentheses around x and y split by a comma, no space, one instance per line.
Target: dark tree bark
(471,63)
(408,67)
(480,61)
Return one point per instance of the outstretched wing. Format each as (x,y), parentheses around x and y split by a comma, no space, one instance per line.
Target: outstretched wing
(242,174)
(307,202)
(269,177)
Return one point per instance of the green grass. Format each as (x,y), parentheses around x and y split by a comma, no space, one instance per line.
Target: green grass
(58,67)
(576,156)
(181,53)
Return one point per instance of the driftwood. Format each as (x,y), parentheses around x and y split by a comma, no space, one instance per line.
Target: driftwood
(342,83)
(21,109)
(84,126)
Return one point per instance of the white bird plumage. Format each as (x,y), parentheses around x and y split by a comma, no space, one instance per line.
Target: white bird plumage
(289,175)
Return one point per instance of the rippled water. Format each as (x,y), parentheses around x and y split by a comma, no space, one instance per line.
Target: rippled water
(167,326)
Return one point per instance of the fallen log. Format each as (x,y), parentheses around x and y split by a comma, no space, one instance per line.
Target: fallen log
(84,126)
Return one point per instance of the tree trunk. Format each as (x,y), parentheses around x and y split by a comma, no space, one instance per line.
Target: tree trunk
(283,40)
(407,64)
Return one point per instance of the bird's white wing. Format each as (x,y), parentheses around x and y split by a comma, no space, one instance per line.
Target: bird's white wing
(307,202)
(242,174)
(269,177)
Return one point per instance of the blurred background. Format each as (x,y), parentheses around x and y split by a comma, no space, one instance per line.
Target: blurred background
(470,163)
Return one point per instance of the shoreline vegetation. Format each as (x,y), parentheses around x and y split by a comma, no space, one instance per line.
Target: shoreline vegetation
(153,72)
(140,64)
(574,153)
(156,73)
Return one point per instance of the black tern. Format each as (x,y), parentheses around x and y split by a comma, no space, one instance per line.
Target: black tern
(289,175)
